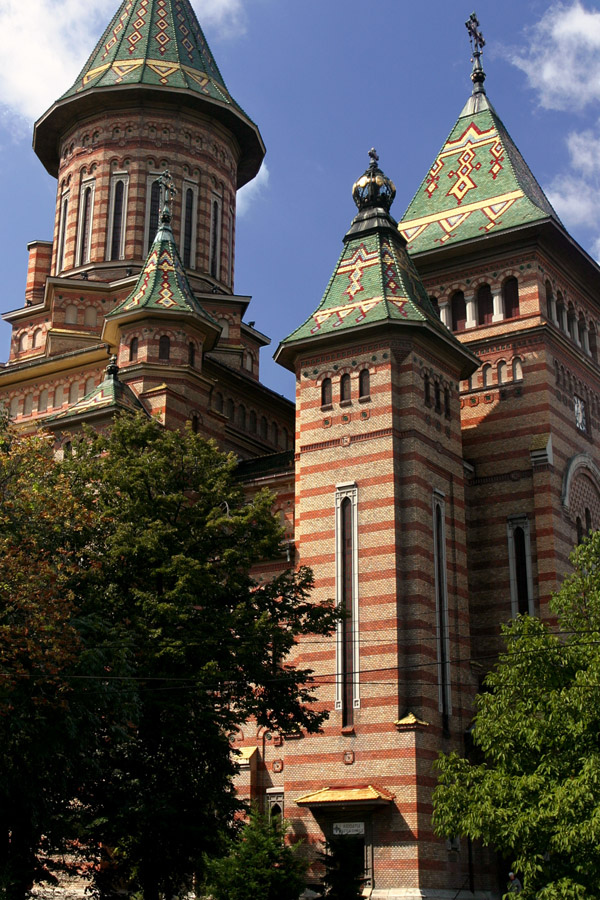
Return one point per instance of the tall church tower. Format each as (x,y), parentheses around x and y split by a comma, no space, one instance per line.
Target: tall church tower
(521,295)
(380,520)
(150,99)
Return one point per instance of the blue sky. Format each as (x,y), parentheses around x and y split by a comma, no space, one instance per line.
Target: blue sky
(325,80)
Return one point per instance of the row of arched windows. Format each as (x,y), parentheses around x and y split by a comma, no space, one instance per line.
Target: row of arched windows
(47,400)
(572,385)
(434,398)
(345,388)
(484,305)
(248,420)
(574,324)
(164,350)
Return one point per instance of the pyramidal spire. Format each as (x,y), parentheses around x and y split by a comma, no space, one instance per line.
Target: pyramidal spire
(479,183)
(375,283)
(162,286)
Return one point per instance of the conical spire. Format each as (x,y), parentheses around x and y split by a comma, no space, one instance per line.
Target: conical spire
(375,282)
(479,183)
(151,47)
(162,287)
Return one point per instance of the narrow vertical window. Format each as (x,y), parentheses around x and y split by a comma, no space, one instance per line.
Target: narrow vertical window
(116,241)
(191,353)
(62,229)
(188,221)
(230,249)
(345,390)
(519,559)
(133,350)
(214,239)
(164,347)
(364,384)
(485,305)
(588,521)
(153,213)
(437,393)
(459,311)
(347,661)
(510,296)
(85,221)
(441,609)
(326,392)
(427,389)
(579,528)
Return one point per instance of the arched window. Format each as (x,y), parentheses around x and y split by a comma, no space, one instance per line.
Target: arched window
(241,417)
(510,297)
(522,580)
(572,322)
(284,438)
(219,402)
(502,373)
(263,428)
(71,314)
(486,375)
(345,390)
(437,394)
(59,396)
(90,316)
(579,528)
(252,422)
(592,341)
(582,333)
(85,224)
(191,354)
(133,350)
(62,233)
(214,239)
(247,360)
(154,213)
(550,304)
(459,311)
(274,433)
(164,347)
(588,521)
(22,344)
(447,402)
(224,327)
(188,221)
(90,385)
(195,424)
(485,305)
(427,388)
(14,407)
(43,401)
(561,312)
(28,405)
(326,396)
(36,340)
(517,369)
(436,308)
(118,209)
(364,384)
(229,408)
(441,609)
(74,392)
(347,604)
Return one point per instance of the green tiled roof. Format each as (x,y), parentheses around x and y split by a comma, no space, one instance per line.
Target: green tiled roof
(162,285)
(111,395)
(154,42)
(374,280)
(479,184)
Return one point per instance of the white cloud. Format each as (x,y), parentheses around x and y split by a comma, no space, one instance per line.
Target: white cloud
(251,192)
(562,60)
(574,193)
(49,41)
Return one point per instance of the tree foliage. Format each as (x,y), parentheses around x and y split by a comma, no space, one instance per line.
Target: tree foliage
(257,862)
(343,862)
(535,796)
(127,581)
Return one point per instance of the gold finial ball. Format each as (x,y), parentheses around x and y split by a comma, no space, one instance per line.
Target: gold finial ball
(373,188)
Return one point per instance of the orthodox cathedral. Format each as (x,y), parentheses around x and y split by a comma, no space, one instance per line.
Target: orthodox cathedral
(439,463)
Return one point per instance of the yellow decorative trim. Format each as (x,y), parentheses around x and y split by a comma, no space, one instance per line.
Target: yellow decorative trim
(487,204)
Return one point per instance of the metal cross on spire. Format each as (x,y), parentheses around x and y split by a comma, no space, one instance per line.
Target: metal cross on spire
(475,36)
(167,185)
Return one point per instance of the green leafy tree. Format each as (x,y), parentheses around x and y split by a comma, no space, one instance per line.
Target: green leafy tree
(208,645)
(343,862)
(55,712)
(535,796)
(257,862)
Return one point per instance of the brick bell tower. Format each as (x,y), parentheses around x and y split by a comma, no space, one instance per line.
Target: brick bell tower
(380,519)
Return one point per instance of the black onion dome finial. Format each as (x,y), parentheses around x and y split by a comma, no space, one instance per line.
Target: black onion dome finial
(477,42)
(373,188)
(112,369)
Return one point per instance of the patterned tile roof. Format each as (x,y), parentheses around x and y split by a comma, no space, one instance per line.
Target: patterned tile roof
(111,395)
(162,285)
(155,42)
(478,184)
(374,281)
